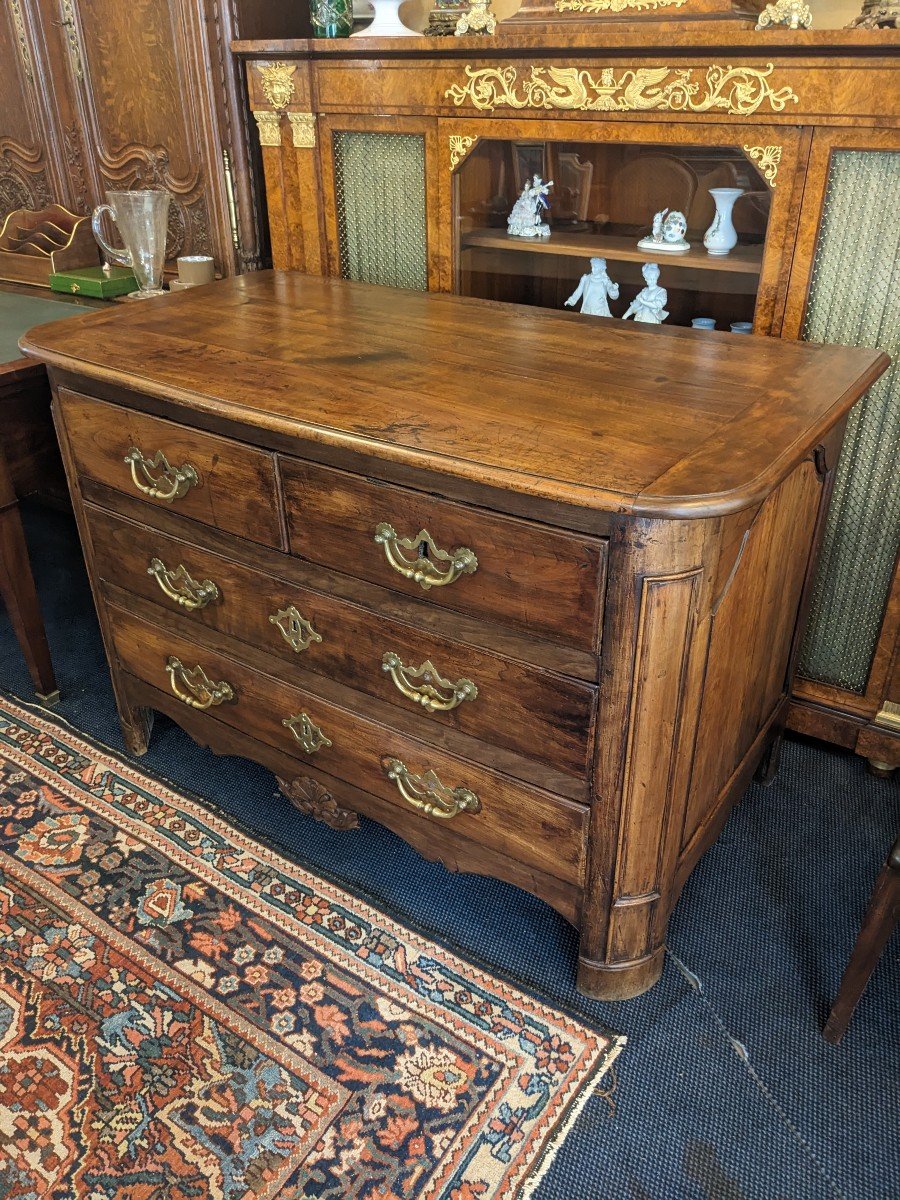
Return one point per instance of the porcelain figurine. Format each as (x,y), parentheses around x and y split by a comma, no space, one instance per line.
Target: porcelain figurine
(595,290)
(525,218)
(648,305)
(667,234)
(721,237)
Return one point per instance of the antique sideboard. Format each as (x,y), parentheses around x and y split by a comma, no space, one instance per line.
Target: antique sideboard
(530,599)
(394,161)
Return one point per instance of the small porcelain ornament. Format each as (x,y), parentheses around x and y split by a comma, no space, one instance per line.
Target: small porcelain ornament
(649,305)
(721,237)
(525,218)
(595,291)
(667,236)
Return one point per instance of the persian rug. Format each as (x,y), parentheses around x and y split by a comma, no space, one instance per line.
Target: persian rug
(187,1015)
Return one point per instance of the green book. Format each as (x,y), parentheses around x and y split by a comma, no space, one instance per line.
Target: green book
(94,281)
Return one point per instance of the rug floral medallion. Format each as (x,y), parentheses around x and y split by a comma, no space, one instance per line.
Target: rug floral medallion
(187,1015)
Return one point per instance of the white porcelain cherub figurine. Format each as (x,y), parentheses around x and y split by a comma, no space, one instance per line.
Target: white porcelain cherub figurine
(525,218)
(648,305)
(595,291)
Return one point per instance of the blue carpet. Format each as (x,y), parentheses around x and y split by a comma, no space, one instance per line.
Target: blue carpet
(726,1090)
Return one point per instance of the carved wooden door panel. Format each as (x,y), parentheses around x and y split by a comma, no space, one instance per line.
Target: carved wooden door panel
(30,174)
(138,76)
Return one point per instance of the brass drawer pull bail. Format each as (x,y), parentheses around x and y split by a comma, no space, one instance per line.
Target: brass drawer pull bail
(429,566)
(434,693)
(427,793)
(308,736)
(172,482)
(180,587)
(200,691)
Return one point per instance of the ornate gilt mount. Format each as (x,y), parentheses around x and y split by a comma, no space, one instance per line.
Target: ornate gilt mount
(739,91)
(269,125)
(277,81)
(308,736)
(460,146)
(614,6)
(294,628)
(478,19)
(429,566)
(303,129)
(310,797)
(434,693)
(795,14)
(767,158)
(426,792)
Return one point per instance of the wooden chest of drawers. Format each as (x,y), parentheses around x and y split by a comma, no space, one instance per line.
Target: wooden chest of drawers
(524,587)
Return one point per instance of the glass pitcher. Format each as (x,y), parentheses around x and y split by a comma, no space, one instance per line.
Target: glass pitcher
(142,219)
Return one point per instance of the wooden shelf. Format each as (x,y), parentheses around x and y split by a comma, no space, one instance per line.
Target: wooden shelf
(743,260)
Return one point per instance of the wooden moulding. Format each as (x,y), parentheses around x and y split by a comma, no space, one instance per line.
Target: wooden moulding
(35,244)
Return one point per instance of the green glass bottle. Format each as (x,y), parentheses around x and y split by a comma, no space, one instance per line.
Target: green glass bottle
(331,18)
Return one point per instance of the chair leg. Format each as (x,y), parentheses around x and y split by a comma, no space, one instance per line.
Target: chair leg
(878,924)
(18,593)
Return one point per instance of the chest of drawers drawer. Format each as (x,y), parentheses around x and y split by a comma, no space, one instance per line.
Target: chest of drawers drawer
(514,572)
(544,831)
(538,714)
(214,480)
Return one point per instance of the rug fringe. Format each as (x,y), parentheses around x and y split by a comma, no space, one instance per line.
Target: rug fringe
(562,1131)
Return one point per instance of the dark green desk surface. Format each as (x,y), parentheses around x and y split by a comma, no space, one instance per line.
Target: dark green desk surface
(19,311)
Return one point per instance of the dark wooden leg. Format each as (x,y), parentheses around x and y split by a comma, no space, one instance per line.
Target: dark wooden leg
(19,596)
(771,759)
(878,924)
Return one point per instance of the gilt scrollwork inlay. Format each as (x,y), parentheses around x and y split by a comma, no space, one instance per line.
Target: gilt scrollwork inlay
(303,129)
(269,125)
(767,158)
(460,146)
(739,91)
(277,81)
(614,6)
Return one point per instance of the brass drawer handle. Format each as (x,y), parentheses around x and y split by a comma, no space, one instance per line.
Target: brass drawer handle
(431,693)
(180,587)
(428,794)
(307,734)
(200,691)
(172,482)
(294,628)
(424,568)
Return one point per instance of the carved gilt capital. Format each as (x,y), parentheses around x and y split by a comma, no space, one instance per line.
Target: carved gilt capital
(303,129)
(269,124)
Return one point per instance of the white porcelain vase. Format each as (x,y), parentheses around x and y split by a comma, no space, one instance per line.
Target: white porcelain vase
(721,237)
(387,21)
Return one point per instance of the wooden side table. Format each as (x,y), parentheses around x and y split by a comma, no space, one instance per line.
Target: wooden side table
(18,592)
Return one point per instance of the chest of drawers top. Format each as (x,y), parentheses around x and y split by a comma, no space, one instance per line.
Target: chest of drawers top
(562,415)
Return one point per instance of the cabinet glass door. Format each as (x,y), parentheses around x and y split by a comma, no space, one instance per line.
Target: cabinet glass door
(602,203)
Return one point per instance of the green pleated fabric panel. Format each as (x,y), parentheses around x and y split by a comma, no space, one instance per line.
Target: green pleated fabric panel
(855,301)
(380,185)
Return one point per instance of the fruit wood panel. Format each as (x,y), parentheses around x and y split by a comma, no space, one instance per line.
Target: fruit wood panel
(387,605)
(536,828)
(594,415)
(627,87)
(437,842)
(538,714)
(524,574)
(234,486)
